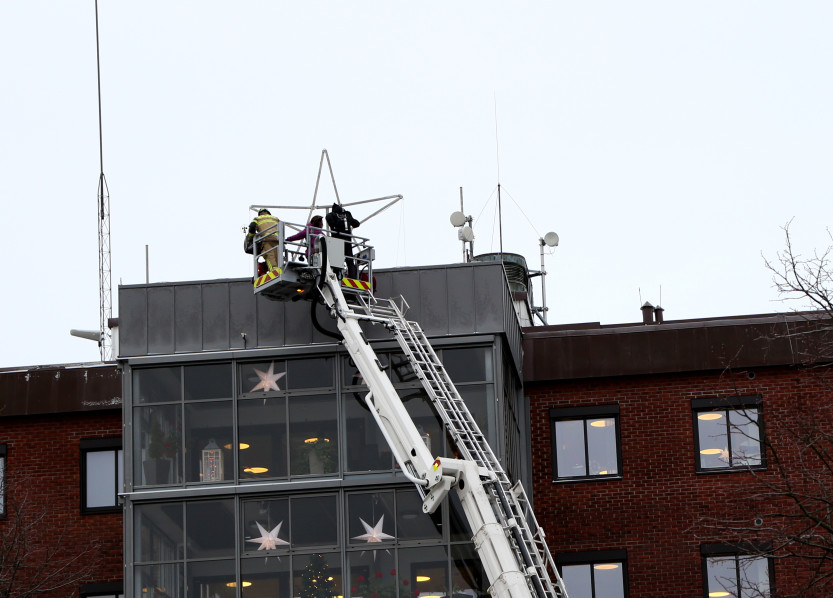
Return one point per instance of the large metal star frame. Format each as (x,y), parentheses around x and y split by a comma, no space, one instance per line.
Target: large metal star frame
(374,534)
(392,199)
(269,540)
(268,379)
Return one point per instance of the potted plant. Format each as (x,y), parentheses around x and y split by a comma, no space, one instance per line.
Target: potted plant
(157,467)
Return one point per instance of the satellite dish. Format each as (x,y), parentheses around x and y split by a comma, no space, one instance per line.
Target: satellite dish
(458,219)
(467,234)
(551,239)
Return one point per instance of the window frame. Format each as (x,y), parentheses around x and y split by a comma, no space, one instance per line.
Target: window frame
(107,590)
(597,557)
(3,471)
(728,404)
(101,445)
(748,549)
(557,414)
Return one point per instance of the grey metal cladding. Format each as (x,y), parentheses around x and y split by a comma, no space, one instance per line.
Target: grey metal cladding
(188,318)
(216,316)
(192,317)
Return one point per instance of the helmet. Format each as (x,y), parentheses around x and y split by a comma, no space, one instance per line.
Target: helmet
(263,211)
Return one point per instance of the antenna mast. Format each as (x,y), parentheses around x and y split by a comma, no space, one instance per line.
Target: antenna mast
(105,288)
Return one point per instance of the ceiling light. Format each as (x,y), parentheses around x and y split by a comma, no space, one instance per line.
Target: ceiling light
(606,566)
(712,451)
(233,584)
(256,469)
(719,593)
(601,423)
(314,440)
(423,578)
(243,446)
(709,416)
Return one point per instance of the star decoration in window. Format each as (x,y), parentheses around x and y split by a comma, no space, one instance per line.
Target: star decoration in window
(268,379)
(375,533)
(269,540)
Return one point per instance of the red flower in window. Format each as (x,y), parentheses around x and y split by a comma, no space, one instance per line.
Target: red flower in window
(393,571)
(404,582)
(379,574)
(360,578)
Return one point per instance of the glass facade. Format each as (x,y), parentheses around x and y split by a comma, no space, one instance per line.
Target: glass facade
(270,477)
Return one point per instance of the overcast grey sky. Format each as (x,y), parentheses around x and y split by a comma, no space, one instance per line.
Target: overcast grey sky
(665,142)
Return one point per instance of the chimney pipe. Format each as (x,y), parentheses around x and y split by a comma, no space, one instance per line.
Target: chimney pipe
(647,313)
(658,314)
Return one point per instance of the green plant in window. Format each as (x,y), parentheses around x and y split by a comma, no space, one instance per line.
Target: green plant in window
(156,443)
(316,579)
(316,456)
(378,585)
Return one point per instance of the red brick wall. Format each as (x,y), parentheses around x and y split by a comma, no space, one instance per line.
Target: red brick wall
(44,452)
(653,511)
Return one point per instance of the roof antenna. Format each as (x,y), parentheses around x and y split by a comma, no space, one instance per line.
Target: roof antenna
(497,153)
(105,287)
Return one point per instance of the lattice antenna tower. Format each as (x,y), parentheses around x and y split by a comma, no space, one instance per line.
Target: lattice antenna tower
(105,288)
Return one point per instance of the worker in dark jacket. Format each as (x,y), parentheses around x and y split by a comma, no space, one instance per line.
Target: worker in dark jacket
(342,223)
(266,224)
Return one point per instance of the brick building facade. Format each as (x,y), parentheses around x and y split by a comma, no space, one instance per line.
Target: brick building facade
(657,508)
(60,450)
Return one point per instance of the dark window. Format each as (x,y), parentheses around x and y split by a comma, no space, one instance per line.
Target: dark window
(102,590)
(730,571)
(585,442)
(727,433)
(157,385)
(2,480)
(102,474)
(602,574)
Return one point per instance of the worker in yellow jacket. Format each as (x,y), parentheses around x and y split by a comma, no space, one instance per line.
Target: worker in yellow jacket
(266,224)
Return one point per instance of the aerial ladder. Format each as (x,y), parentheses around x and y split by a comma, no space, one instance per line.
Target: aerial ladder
(508,540)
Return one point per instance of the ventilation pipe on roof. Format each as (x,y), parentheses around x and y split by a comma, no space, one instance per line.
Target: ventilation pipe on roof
(647,313)
(658,314)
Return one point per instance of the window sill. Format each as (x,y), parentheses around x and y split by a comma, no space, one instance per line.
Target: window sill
(606,478)
(725,470)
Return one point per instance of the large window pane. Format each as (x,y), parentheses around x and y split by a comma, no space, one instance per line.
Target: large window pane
(314,521)
(608,580)
(310,373)
(425,418)
(371,519)
(722,577)
(103,471)
(158,532)
(264,577)
(155,385)
(209,527)
(367,449)
(468,365)
(313,436)
(412,523)
(262,377)
(373,574)
(265,526)
(425,569)
(157,445)
(208,430)
(753,572)
(745,437)
(317,576)
(214,579)
(262,434)
(570,459)
(467,575)
(601,446)
(212,381)
(159,581)
(478,399)
(578,580)
(712,432)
